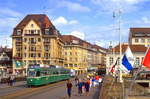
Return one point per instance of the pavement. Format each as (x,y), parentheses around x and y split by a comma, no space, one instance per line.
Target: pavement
(5,85)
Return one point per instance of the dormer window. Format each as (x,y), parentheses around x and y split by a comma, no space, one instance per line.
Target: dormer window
(18,32)
(32,25)
(46,31)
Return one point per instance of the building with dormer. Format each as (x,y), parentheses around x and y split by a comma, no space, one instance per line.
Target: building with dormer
(139,36)
(35,40)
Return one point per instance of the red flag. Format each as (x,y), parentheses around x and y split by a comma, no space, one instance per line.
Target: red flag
(112,69)
(146,61)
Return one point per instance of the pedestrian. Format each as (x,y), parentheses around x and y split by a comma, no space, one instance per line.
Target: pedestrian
(11,80)
(93,82)
(69,88)
(87,87)
(76,81)
(83,85)
(8,80)
(80,84)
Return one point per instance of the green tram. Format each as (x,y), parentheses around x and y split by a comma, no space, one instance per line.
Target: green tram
(44,75)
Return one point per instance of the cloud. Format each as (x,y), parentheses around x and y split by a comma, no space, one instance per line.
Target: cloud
(108,6)
(78,34)
(106,43)
(71,6)
(9,12)
(145,20)
(8,20)
(63,21)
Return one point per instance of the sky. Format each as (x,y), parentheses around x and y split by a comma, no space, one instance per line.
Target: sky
(90,20)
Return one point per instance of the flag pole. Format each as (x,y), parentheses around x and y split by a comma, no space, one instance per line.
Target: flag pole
(120,72)
(133,81)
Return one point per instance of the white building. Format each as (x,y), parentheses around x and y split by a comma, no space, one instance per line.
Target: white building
(114,53)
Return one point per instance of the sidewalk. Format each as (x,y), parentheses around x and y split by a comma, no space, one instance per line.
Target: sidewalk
(14,85)
(93,94)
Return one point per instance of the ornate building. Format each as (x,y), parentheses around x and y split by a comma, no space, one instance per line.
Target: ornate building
(35,40)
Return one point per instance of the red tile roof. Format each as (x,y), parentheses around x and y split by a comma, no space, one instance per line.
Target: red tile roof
(135,31)
(42,21)
(73,40)
(134,48)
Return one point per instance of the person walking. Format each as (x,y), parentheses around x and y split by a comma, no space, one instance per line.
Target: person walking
(76,81)
(80,84)
(69,88)
(87,87)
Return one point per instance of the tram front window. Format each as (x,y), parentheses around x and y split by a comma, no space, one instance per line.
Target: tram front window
(31,73)
(37,73)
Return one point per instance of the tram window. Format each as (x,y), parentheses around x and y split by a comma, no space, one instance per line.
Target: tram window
(31,73)
(37,73)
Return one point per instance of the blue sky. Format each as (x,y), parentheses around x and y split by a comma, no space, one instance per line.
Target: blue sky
(89,19)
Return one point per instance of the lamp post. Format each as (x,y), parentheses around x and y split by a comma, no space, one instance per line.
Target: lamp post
(120,45)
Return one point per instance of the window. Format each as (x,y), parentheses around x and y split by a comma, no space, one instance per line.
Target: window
(70,53)
(65,53)
(18,32)
(38,31)
(71,65)
(32,40)
(32,25)
(32,31)
(46,47)
(76,53)
(25,55)
(76,59)
(46,31)
(110,61)
(137,61)
(39,40)
(39,55)
(25,39)
(148,40)
(66,65)
(118,62)
(75,65)
(70,59)
(142,40)
(136,40)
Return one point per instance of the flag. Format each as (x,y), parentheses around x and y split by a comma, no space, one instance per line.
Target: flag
(128,60)
(146,61)
(113,67)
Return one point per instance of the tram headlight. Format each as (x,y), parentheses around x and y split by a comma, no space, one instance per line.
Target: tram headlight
(31,80)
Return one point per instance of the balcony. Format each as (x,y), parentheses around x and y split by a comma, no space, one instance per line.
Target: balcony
(18,43)
(31,34)
(46,42)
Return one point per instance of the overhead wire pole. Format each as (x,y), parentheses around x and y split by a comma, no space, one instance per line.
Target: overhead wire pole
(120,72)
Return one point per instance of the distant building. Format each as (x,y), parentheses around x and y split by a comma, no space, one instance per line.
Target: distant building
(5,60)
(139,36)
(80,55)
(114,53)
(35,40)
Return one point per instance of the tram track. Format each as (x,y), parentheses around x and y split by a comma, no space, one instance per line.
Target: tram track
(28,92)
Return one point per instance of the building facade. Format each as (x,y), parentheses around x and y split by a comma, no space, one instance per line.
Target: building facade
(139,36)
(5,61)
(35,40)
(81,55)
(114,54)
